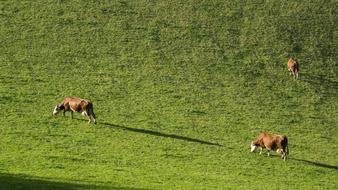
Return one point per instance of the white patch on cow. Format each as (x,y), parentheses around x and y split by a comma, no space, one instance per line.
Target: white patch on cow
(84,113)
(253,147)
(55,111)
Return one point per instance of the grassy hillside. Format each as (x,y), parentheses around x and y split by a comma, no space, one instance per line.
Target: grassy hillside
(180,89)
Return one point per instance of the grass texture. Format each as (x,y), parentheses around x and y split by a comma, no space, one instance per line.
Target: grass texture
(180,89)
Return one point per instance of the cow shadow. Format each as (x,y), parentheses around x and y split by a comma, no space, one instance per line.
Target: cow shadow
(159,134)
(321,80)
(318,164)
(315,163)
(24,182)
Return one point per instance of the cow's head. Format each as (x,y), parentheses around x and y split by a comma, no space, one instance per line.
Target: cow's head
(253,146)
(57,109)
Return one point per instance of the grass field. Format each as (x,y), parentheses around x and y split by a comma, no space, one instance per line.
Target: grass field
(180,89)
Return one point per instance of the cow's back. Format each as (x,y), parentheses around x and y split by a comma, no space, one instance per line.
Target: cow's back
(76,104)
(268,140)
(85,105)
(292,64)
(71,100)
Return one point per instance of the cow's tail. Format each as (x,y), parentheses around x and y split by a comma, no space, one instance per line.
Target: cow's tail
(91,110)
(297,65)
(287,150)
(286,145)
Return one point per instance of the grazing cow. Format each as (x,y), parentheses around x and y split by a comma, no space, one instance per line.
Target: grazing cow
(279,143)
(76,105)
(293,67)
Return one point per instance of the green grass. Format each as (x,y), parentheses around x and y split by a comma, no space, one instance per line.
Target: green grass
(180,89)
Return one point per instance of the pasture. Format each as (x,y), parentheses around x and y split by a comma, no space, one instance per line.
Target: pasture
(180,89)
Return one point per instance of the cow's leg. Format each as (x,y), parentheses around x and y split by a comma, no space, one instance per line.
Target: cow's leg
(292,72)
(94,120)
(283,156)
(92,114)
(284,153)
(281,152)
(268,151)
(64,113)
(260,150)
(86,114)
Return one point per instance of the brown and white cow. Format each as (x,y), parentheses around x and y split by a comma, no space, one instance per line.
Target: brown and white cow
(76,105)
(279,143)
(293,67)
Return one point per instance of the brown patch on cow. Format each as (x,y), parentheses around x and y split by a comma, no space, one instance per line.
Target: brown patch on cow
(293,67)
(278,143)
(76,105)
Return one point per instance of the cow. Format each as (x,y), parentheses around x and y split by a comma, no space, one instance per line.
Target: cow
(76,105)
(293,67)
(279,143)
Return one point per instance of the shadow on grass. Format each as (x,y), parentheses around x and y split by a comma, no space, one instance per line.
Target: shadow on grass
(24,182)
(311,163)
(321,80)
(316,163)
(155,133)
